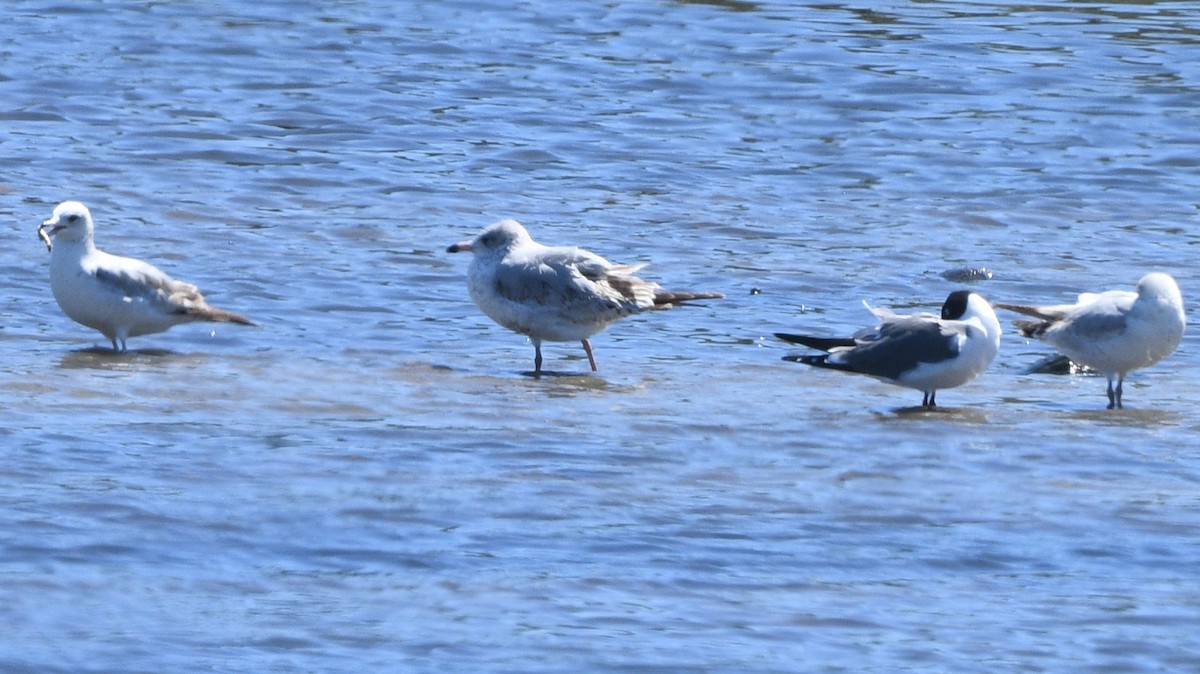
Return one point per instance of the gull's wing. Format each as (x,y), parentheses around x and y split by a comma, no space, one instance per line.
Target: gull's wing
(1049,313)
(1098,320)
(138,281)
(573,278)
(1120,300)
(900,345)
(1095,316)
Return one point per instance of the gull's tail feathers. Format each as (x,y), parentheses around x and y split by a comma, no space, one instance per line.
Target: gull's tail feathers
(669,298)
(1028,310)
(1032,328)
(207,313)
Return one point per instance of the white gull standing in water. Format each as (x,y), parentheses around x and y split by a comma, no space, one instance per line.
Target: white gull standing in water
(1113,332)
(920,351)
(119,296)
(557,294)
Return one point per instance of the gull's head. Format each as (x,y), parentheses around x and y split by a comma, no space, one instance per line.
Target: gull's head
(70,221)
(963,305)
(1160,286)
(497,239)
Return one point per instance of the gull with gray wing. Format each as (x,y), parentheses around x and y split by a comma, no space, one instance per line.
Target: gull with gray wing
(556,294)
(1113,332)
(120,296)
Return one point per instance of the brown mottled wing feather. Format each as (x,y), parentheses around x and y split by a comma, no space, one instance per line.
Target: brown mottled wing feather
(148,283)
(573,279)
(1094,324)
(542,281)
(1031,328)
(584,282)
(1047,317)
(1044,313)
(216,315)
(671,297)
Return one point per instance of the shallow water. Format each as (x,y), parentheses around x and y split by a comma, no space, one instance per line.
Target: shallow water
(370,482)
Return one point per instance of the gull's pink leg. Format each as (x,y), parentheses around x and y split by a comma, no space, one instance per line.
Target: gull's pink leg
(587,346)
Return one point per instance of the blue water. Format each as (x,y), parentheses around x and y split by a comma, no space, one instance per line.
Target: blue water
(370,482)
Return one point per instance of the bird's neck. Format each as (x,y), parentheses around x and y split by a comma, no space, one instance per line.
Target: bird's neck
(72,248)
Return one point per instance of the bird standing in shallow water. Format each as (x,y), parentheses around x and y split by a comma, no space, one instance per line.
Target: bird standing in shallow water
(119,296)
(556,294)
(1113,332)
(921,351)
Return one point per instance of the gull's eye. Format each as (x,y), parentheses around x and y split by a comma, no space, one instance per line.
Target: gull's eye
(72,218)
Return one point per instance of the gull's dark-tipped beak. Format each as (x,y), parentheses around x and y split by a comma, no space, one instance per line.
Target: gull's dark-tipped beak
(461,247)
(51,226)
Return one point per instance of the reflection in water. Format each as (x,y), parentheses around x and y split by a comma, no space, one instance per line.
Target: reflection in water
(555,384)
(103,358)
(1151,418)
(970,415)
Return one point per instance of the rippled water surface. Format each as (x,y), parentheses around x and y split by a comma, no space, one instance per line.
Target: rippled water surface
(370,481)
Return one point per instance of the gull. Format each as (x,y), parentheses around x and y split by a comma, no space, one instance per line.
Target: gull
(119,296)
(557,294)
(1113,332)
(921,351)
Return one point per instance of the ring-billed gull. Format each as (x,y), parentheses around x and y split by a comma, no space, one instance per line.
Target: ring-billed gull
(557,294)
(119,296)
(920,351)
(1113,332)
